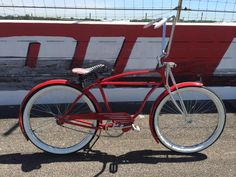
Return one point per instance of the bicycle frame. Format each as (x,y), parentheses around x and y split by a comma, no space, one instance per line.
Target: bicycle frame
(122,117)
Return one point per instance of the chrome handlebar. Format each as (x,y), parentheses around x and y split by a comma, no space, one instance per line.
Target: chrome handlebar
(166,46)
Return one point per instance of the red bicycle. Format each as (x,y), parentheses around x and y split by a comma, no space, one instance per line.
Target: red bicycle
(61,117)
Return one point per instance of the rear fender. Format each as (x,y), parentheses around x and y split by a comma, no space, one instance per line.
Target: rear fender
(159,99)
(48,83)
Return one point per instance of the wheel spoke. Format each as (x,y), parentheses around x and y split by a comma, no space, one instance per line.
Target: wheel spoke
(45,124)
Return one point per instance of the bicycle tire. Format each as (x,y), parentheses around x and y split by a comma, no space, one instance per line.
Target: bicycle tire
(198,130)
(40,114)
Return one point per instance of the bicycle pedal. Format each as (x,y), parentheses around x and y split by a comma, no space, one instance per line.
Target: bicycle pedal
(136,128)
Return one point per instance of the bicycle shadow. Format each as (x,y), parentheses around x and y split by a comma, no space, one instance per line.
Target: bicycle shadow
(142,156)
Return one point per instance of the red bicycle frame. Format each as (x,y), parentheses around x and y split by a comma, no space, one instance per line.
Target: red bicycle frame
(118,117)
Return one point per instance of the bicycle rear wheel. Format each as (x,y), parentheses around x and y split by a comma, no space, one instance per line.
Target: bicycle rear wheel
(40,117)
(193,132)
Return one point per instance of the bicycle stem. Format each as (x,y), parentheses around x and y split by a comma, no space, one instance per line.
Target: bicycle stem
(166,46)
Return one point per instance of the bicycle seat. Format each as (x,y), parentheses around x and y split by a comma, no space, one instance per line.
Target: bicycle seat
(94,69)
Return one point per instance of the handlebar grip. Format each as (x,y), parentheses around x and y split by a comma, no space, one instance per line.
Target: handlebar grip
(160,23)
(151,23)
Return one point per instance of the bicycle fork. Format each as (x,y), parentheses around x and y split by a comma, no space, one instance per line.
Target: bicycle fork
(168,72)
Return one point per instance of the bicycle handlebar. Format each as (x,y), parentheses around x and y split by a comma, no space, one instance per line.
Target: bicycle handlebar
(157,24)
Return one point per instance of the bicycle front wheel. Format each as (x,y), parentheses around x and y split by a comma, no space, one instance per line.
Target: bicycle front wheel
(193,128)
(42,111)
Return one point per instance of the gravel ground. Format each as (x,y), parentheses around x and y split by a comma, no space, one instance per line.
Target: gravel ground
(132,154)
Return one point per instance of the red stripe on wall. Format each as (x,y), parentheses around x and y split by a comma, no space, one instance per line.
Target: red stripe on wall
(32,55)
(199,49)
(79,54)
(124,55)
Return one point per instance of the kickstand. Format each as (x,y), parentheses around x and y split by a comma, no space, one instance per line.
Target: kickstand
(89,146)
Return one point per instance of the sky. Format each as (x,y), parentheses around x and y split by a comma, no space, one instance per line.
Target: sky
(201,9)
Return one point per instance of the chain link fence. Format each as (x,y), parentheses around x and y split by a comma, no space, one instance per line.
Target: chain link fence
(132,10)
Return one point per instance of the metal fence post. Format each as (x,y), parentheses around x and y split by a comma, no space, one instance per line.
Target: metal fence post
(179,8)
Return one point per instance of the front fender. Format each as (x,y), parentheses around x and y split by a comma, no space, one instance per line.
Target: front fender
(48,83)
(158,100)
